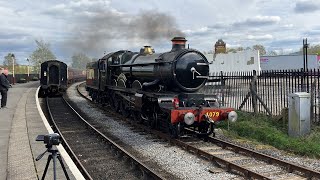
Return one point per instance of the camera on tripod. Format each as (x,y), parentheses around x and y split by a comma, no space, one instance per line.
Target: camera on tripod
(49,139)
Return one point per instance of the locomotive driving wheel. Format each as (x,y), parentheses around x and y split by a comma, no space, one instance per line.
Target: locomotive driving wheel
(137,117)
(153,117)
(154,120)
(124,109)
(115,104)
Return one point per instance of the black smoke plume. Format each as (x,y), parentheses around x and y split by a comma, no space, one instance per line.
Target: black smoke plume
(109,31)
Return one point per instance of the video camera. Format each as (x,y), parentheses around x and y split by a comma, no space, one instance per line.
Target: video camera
(49,139)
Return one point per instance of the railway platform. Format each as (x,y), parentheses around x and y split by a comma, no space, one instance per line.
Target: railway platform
(20,123)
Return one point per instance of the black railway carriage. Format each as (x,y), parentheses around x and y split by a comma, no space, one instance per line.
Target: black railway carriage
(53,78)
(158,88)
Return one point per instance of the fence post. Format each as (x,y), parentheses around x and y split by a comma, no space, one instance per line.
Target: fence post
(222,86)
(312,104)
(253,84)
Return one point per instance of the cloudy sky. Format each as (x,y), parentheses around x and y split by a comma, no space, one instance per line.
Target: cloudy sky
(97,26)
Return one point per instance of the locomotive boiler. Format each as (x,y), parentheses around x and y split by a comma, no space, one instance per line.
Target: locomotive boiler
(159,89)
(180,69)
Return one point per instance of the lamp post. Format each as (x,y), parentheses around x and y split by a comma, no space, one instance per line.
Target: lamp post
(13,57)
(28,69)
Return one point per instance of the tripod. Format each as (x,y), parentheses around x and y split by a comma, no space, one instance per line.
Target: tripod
(54,155)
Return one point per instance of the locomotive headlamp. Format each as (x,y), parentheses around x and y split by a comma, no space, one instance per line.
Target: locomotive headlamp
(232,116)
(189,118)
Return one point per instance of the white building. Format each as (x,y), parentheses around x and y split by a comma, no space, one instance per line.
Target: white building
(248,60)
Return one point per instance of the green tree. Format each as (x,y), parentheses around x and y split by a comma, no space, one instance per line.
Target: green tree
(231,50)
(80,60)
(315,49)
(42,53)
(261,48)
(240,49)
(234,50)
(8,59)
(312,49)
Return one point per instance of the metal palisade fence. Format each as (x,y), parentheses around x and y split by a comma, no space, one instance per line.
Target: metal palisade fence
(267,92)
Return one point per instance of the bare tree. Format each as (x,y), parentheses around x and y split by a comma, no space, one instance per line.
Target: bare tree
(261,48)
(240,49)
(272,53)
(80,60)
(8,61)
(42,53)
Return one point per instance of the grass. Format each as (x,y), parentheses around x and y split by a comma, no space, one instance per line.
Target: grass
(263,129)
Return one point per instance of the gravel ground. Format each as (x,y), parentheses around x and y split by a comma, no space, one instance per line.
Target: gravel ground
(269,150)
(172,159)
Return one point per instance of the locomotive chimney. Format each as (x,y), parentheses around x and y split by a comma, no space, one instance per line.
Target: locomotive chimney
(178,43)
(146,50)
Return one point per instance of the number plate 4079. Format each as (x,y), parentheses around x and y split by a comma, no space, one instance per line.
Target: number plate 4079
(213,114)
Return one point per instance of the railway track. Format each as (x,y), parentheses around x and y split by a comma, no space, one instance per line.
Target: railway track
(236,159)
(248,163)
(96,155)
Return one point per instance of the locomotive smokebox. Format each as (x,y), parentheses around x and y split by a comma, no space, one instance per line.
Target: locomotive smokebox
(178,43)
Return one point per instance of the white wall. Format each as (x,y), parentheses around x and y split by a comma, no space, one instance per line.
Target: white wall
(248,60)
(286,62)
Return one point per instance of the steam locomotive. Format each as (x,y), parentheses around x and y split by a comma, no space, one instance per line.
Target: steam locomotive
(158,89)
(55,76)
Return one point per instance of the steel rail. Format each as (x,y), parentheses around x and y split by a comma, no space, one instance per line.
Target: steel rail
(309,173)
(73,156)
(147,172)
(143,166)
(227,165)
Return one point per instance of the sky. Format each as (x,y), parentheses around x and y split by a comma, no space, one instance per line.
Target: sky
(95,27)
